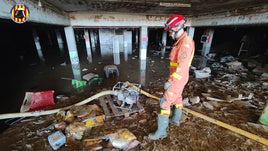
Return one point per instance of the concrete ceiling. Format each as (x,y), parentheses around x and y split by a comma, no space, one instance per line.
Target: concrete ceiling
(160,7)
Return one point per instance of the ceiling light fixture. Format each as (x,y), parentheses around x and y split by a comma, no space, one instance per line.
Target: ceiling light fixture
(174,4)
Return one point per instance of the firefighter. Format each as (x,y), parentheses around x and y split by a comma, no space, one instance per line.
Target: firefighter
(180,57)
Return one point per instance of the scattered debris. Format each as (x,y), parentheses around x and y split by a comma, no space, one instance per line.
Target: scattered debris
(124,95)
(229,95)
(203,73)
(37,100)
(110,69)
(123,139)
(78,83)
(89,76)
(75,130)
(110,110)
(62,97)
(56,140)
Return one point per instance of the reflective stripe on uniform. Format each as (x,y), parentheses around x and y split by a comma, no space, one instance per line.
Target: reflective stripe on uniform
(175,75)
(166,112)
(178,105)
(173,64)
(178,69)
(170,93)
(187,45)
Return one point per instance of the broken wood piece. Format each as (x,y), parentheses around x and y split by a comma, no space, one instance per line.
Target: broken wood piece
(208,105)
(265,127)
(214,99)
(245,104)
(240,97)
(110,110)
(93,139)
(205,95)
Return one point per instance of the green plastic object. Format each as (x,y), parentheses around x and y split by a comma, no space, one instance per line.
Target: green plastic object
(99,80)
(78,84)
(264,116)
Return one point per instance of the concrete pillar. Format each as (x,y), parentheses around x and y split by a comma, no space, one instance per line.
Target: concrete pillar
(49,39)
(106,42)
(60,42)
(137,38)
(127,44)
(71,43)
(143,42)
(88,48)
(92,39)
(190,31)
(164,43)
(38,46)
(125,51)
(143,72)
(116,51)
(208,42)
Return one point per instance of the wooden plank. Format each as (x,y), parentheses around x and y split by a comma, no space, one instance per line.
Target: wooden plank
(115,111)
(125,112)
(105,107)
(140,107)
(110,110)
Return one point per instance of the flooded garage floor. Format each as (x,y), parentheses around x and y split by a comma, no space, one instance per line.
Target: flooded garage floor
(194,133)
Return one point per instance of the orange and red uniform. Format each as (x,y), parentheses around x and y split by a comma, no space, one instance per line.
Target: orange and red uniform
(180,57)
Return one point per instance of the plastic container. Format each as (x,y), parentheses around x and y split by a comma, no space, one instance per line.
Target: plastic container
(42,99)
(264,117)
(37,100)
(56,140)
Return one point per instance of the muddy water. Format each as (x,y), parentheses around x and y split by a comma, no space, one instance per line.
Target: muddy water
(41,77)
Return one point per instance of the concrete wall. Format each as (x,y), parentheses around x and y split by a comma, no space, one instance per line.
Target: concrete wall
(128,20)
(223,20)
(50,15)
(37,14)
(116,20)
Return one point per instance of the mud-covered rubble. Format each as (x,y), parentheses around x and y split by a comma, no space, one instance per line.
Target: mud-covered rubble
(234,94)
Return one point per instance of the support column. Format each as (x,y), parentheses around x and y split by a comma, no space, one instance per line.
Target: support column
(88,48)
(143,42)
(163,44)
(38,46)
(60,42)
(116,51)
(92,39)
(49,39)
(127,44)
(208,42)
(71,43)
(137,38)
(190,31)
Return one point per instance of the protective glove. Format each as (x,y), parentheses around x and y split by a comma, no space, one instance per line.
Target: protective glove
(167,85)
(162,100)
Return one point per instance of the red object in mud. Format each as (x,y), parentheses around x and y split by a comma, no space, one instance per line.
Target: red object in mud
(42,99)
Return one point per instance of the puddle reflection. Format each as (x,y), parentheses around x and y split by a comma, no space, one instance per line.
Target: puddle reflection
(143,72)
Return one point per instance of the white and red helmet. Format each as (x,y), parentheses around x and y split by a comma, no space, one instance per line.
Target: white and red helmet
(175,20)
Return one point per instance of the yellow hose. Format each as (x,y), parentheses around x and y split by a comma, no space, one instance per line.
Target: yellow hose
(47,112)
(227,126)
